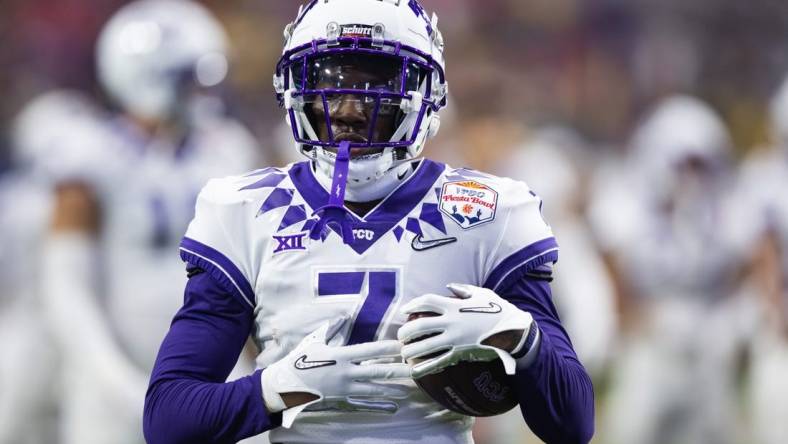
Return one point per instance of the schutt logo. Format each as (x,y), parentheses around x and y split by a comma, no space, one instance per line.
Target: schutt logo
(356,31)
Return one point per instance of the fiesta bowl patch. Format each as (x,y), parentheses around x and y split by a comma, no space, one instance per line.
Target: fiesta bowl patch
(469,203)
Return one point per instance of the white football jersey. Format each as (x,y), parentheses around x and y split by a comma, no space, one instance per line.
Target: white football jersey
(24,212)
(762,188)
(27,353)
(677,247)
(441,225)
(146,188)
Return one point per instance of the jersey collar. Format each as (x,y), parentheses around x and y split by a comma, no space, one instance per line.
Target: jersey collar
(391,210)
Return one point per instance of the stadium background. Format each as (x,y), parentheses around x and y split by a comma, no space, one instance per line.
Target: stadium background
(513,65)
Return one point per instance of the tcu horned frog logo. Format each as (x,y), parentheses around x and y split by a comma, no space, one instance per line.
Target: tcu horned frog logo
(469,203)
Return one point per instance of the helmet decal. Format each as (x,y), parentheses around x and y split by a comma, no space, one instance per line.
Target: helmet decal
(420,12)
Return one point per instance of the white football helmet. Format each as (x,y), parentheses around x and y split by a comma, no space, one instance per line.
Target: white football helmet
(151,49)
(400,47)
(680,128)
(64,113)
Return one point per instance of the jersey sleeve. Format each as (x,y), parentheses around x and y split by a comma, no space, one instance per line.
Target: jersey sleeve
(216,239)
(525,243)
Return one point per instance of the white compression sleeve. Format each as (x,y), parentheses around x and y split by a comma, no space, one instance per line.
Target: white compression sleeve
(70,299)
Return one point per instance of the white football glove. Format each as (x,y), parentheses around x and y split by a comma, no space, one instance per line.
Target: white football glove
(341,377)
(464,322)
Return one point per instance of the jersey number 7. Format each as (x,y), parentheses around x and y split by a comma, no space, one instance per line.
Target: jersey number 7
(378,288)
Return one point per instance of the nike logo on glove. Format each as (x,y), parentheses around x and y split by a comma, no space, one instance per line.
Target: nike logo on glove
(492,308)
(302,364)
(421,244)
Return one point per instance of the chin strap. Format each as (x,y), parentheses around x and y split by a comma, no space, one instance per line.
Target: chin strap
(334,214)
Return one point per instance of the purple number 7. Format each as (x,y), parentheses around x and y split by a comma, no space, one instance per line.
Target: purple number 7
(381,291)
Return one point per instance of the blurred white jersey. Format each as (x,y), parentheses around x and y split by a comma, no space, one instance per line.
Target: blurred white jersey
(556,163)
(441,225)
(669,246)
(24,212)
(146,188)
(26,351)
(763,186)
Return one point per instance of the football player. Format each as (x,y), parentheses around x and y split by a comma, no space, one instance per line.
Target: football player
(324,260)
(28,405)
(557,164)
(124,190)
(668,242)
(764,182)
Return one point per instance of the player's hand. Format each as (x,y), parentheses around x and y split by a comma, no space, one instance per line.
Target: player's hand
(475,325)
(337,377)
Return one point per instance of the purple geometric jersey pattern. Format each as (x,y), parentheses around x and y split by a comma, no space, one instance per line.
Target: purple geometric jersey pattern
(262,171)
(308,225)
(389,216)
(431,215)
(465,174)
(386,216)
(268,181)
(414,226)
(278,198)
(398,232)
(293,215)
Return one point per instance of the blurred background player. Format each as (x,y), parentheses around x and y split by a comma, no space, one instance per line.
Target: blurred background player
(556,162)
(763,229)
(28,405)
(124,190)
(660,218)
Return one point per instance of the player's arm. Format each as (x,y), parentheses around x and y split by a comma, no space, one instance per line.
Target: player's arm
(555,392)
(188,399)
(765,272)
(519,324)
(512,317)
(69,289)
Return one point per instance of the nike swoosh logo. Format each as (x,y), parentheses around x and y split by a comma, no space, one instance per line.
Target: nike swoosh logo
(302,364)
(401,176)
(421,244)
(492,308)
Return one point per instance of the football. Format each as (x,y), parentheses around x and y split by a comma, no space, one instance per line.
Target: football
(473,388)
